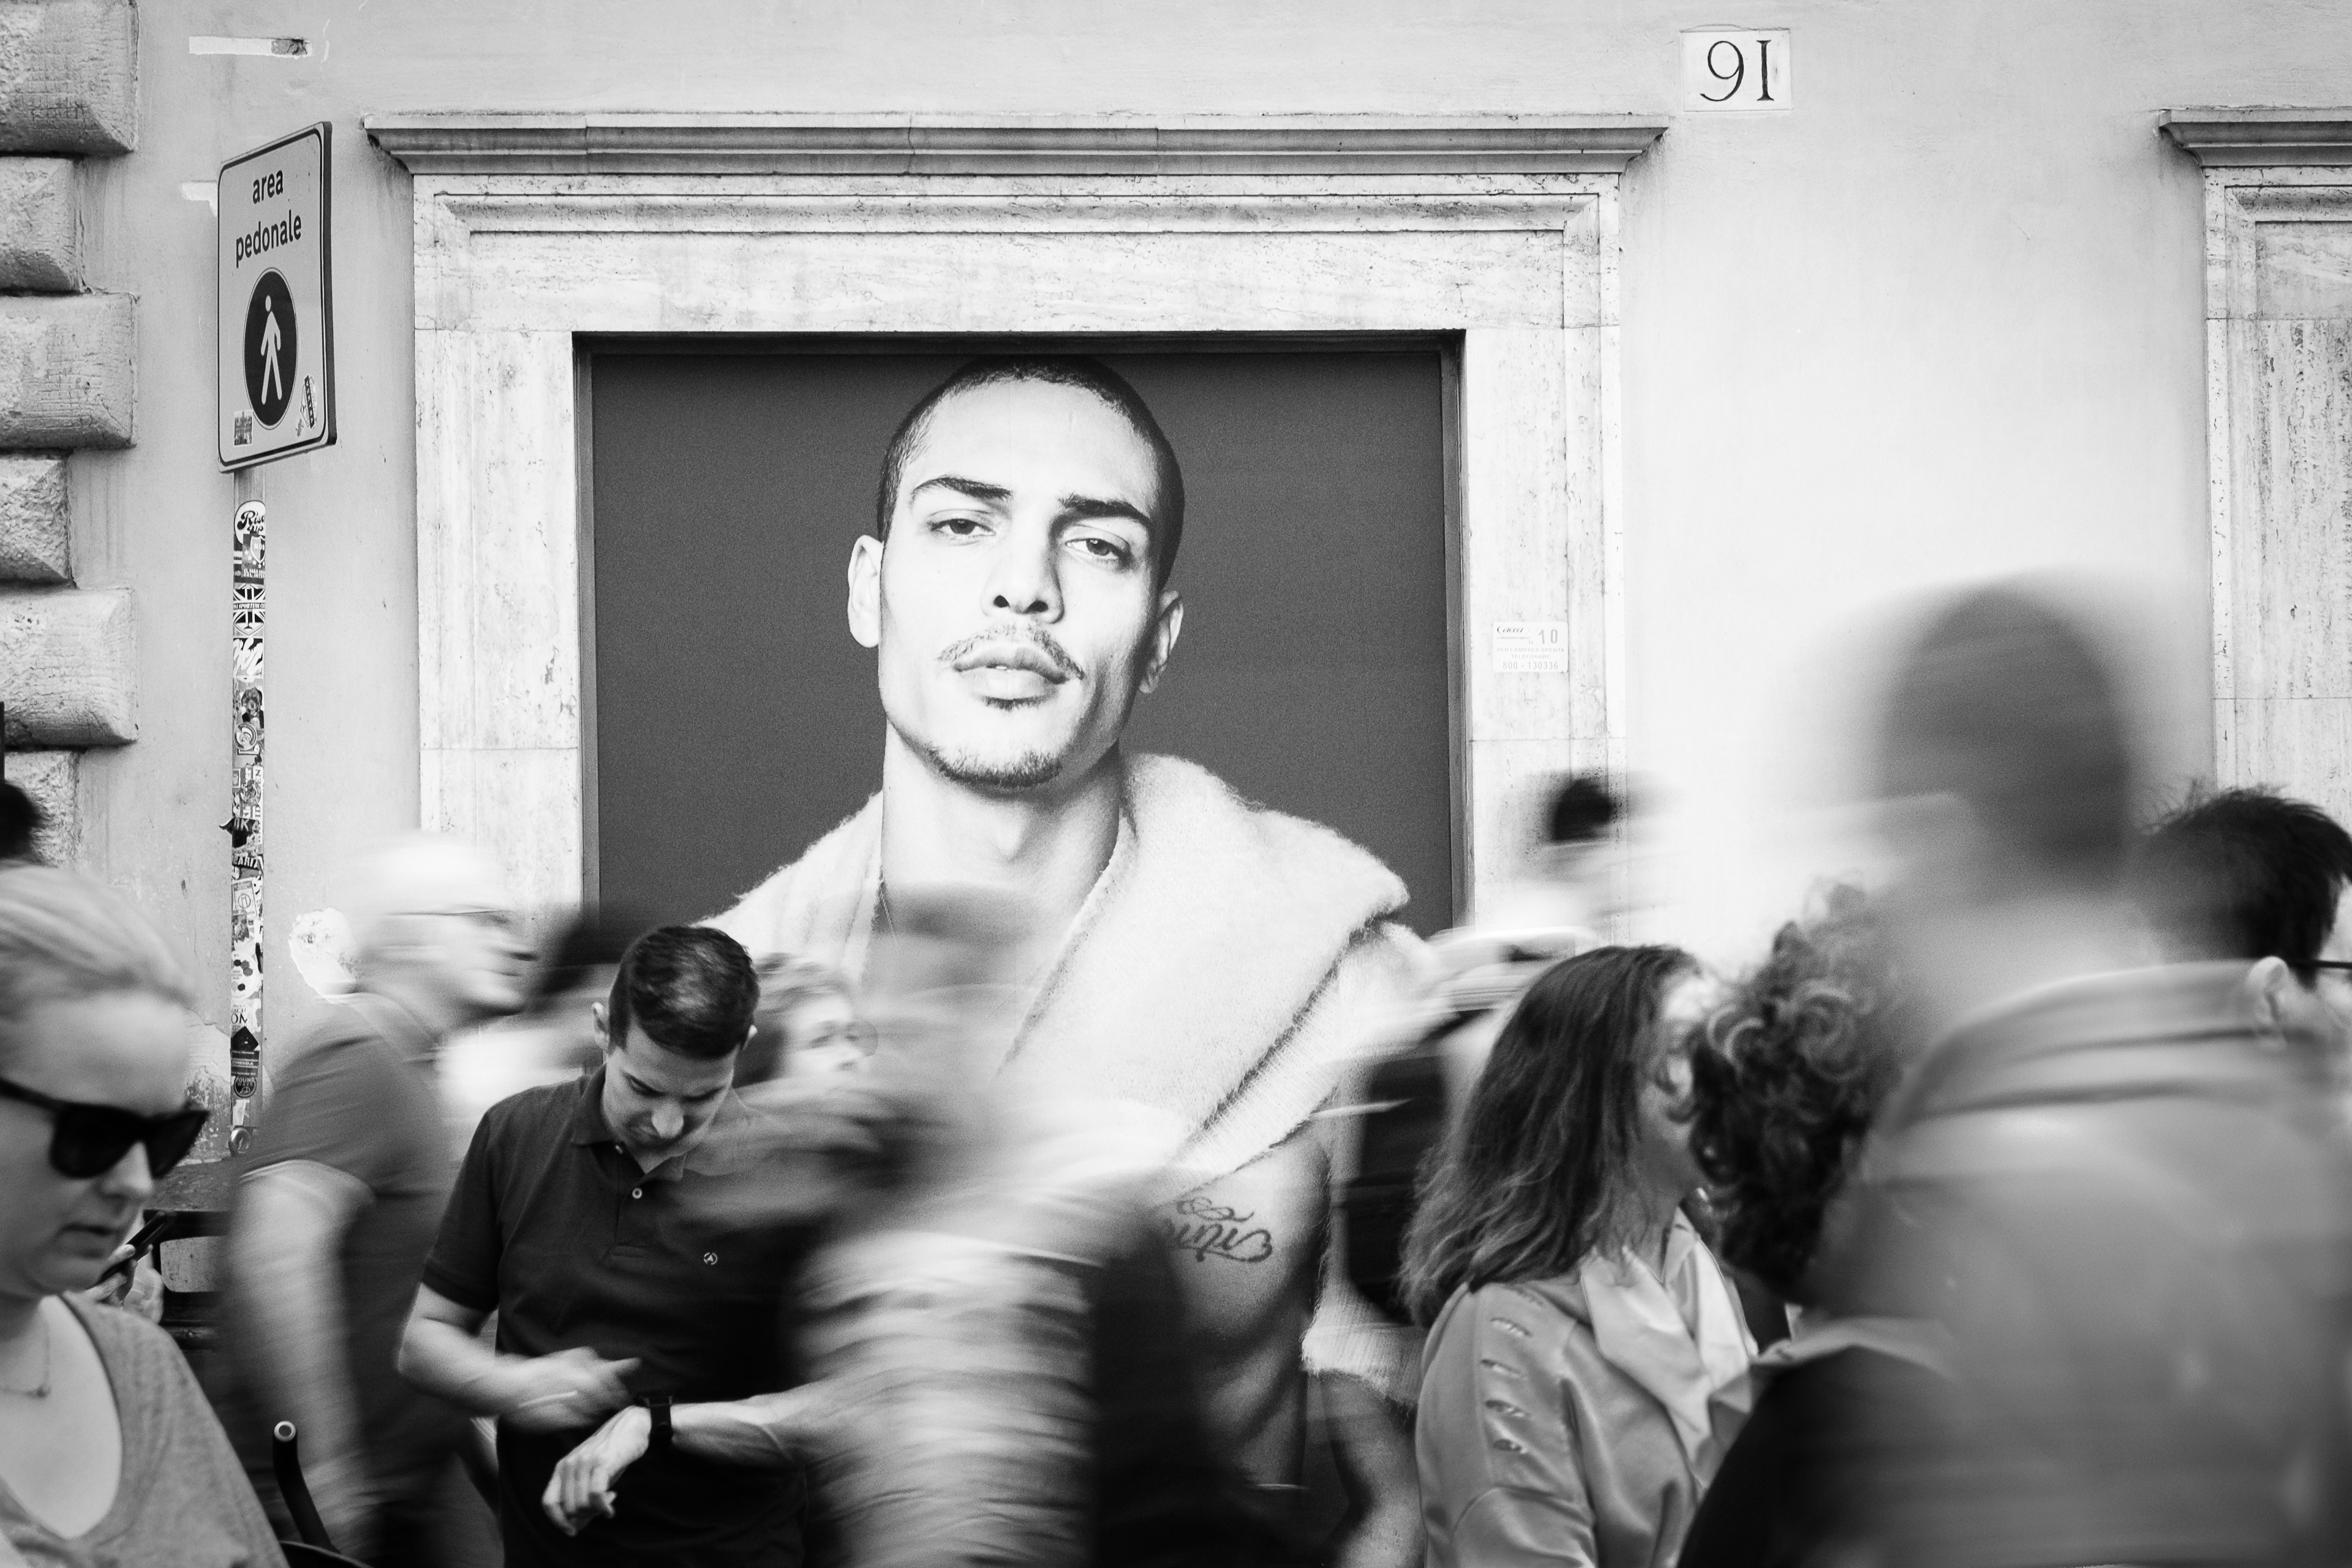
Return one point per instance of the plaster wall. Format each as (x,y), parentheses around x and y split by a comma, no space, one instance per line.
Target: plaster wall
(1943,321)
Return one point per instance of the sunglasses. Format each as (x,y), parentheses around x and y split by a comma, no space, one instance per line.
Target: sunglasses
(90,1140)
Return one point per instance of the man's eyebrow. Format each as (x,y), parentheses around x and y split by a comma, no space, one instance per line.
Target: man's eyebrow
(975,489)
(1076,509)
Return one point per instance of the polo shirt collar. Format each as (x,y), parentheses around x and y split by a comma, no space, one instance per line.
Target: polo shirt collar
(589,1127)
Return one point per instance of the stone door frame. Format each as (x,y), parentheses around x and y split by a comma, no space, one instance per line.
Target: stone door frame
(1498,235)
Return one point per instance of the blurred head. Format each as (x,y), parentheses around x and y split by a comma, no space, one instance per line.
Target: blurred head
(434,926)
(2005,713)
(2249,874)
(681,1011)
(1583,812)
(93,1013)
(20,820)
(1786,1078)
(817,1018)
(580,964)
(1015,584)
(1575,1119)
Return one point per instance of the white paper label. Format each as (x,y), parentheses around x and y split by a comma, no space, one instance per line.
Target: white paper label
(1530,647)
(1729,69)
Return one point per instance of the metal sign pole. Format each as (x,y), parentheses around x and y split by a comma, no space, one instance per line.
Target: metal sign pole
(247,628)
(275,354)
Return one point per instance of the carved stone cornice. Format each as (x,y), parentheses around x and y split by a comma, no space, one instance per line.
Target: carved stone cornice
(652,144)
(2257,137)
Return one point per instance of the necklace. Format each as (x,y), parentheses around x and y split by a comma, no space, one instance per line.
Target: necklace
(41,1389)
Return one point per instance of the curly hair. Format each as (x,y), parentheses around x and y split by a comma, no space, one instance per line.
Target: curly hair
(1786,1076)
(1537,1171)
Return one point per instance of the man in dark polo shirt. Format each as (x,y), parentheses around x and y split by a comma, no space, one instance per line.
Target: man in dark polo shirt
(595,1217)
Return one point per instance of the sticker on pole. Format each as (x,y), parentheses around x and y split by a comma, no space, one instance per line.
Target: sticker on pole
(277,326)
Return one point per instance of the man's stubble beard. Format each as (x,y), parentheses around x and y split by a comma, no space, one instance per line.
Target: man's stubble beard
(1028,771)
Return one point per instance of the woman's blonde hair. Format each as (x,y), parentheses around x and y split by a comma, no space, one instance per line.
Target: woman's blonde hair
(64,937)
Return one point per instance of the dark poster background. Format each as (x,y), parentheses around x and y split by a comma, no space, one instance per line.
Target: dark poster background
(735,720)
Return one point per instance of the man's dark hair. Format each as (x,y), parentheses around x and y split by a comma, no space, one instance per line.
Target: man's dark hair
(1539,1168)
(2007,703)
(1053,369)
(20,819)
(691,989)
(1786,1078)
(2244,873)
(1583,809)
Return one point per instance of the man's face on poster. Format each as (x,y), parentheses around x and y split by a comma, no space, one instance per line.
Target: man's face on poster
(1014,604)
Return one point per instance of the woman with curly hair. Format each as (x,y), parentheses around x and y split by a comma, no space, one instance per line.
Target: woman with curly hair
(1586,1366)
(1787,1078)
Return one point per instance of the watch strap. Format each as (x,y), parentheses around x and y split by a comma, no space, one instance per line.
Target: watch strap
(657,1405)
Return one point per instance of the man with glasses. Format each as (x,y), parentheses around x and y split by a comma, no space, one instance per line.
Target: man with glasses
(342,1197)
(2251,875)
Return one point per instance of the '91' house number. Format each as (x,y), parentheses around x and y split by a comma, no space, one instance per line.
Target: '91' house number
(1727,68)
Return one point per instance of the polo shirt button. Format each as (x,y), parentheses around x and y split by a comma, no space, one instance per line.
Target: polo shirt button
(636,1192)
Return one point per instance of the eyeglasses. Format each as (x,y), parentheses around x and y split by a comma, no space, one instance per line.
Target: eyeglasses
(496,919)
(855,1032)
(90,1140)
(2314,966)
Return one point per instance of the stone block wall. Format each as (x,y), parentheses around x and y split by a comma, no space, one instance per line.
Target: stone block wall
(69,90)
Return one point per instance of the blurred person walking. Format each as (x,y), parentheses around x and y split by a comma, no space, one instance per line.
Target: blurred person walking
(639,1373)
(1587,1361)
(109,1457)
(1787,1075)
(2252,876)
(337,1206)
(2124,1207)
(994,1317)
(1548,914)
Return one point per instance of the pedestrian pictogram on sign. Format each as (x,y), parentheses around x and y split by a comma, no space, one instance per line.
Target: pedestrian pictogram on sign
(277,381)
(270,344)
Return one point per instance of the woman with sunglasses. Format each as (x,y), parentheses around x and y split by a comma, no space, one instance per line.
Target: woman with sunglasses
(109,1457)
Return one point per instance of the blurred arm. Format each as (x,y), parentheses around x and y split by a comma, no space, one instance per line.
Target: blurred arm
(766,1431)
(440,1353)
(1367,1369)
(769,1429)
(285,1247)
(1374,1444)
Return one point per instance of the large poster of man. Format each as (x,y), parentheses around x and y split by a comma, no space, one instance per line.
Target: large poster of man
(735,719)
(1019,593)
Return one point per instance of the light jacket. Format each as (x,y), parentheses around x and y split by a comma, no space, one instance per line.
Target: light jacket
(1544,1441)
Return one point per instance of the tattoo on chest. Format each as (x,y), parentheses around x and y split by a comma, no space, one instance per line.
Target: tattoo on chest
(1207,1229)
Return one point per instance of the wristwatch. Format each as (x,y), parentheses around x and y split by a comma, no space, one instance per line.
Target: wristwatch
(657,1407)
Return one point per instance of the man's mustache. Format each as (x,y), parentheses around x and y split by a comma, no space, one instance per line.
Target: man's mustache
(1036,637)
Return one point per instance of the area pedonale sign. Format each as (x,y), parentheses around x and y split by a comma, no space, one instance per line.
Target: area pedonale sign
(276,325)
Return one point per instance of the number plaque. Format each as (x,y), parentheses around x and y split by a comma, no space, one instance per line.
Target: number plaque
(1727,69)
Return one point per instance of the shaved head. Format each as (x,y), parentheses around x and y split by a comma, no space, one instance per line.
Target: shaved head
(420,874)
